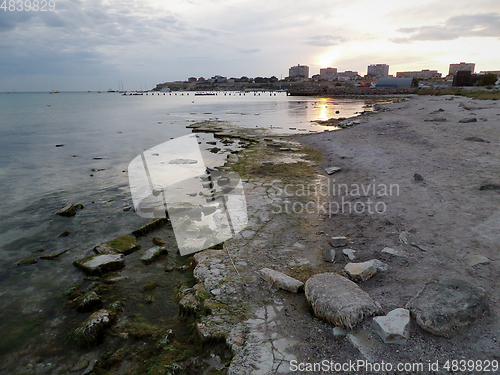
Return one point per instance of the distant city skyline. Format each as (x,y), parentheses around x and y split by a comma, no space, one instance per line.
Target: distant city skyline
(91,45)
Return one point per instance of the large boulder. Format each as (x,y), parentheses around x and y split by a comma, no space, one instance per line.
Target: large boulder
(338,300)
(445,305)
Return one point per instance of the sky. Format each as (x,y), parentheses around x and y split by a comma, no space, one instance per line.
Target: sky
(95,44)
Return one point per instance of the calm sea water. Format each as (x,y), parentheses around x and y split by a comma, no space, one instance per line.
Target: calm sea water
(101,134)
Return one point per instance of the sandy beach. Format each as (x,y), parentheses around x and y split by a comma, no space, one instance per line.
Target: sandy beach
(441,219)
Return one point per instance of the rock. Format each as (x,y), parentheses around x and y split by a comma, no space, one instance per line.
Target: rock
(332,170)
(445,305)
(360,271)
(92,332)
(127,208)
(64,234)
(282,281)
(88,302)
(437,119)
(350,253)
(338,241)
(330,255)
(339,300)
(391,251)
(379,265)
(476,139)
(490,186)
(367,344)
(67,211)
(122,245)
(53,256)
(158,241)
(394,327)
(79,206)
(474,260)
(339,332)
(417,177)
(30,260)
(155,224)
(151,255)
(467,120)
(101,263)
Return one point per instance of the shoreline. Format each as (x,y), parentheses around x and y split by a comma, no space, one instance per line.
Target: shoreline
(447,218)
(438,226)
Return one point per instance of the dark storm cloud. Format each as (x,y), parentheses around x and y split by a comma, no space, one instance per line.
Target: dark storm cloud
(476,25)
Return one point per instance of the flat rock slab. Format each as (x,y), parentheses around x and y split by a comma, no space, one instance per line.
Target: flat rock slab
(122,245)
(445,305)
(332,170)
(394,327)
(338,241)
(475,259)
(338,300)
(101,263)
(281,280)
(363,271)
(149,256)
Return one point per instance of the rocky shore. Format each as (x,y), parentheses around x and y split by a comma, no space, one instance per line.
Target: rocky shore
(412,282)
(374,241)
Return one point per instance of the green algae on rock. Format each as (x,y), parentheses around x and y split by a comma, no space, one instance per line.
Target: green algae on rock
(122,245)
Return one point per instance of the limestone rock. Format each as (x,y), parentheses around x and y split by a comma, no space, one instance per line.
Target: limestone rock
(149,256)
(394,327)
(92,332)
(363,271)
(155,224)
(101,263)
(391,251)
(88,302)
(122,245)
(474,260)
(338,300)
(445,305)
(338,241)
(281,280)
(330,255)
(67,211)
(467,120)
(350,253)
(332,170)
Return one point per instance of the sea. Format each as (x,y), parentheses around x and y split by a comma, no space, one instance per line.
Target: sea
(75,147)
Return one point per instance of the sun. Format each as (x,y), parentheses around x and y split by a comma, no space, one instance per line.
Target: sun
(327,59)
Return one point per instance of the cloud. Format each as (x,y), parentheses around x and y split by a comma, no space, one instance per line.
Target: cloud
(324,40)
(476,25)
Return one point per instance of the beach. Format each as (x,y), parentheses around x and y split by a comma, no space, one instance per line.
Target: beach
(440,221)
(412,184)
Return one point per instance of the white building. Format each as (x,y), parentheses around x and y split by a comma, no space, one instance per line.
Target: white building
(299,71)
(454,68)
(378,70)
